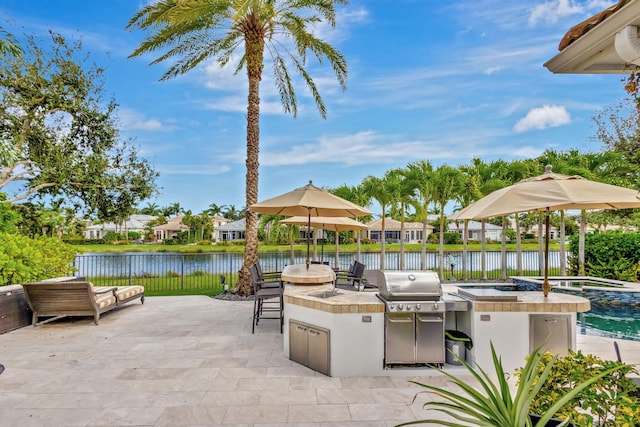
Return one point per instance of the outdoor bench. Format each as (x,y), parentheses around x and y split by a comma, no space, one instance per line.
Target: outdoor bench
(66,296)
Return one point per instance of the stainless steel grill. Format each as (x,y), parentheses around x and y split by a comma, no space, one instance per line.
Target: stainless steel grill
(414,316)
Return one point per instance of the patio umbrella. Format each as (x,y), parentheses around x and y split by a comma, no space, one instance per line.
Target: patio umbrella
(547,192)
(327,223)
(309,201)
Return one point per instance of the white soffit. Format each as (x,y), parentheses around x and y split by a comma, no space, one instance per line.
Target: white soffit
(594,52)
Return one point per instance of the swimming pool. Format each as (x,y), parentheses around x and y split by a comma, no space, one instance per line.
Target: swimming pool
(615,305)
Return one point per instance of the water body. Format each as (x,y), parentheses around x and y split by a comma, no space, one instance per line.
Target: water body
(153,263)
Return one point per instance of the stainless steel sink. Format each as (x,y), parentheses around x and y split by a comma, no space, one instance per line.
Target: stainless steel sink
(325,294)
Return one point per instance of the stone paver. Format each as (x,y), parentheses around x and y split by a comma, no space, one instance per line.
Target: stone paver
(192,361)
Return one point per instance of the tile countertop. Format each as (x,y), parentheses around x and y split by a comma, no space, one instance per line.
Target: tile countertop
(343,302)
(533,302)
(368,302)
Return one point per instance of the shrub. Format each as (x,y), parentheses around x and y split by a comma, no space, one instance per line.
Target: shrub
(25,260)
(610,255)
(170,241)
(606,402)
(199,273)
(79,241)
(493,403)
(171,273)
(203,242)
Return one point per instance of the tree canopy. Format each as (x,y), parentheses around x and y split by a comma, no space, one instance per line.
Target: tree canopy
(63,134)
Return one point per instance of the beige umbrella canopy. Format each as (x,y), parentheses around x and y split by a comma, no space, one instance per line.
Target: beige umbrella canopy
(309,201)
(327,223)
(547,192)
(335,223)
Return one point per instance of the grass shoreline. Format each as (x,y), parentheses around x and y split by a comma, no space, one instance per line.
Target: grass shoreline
(328,248)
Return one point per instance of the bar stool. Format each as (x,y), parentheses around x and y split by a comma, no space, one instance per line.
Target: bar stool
(267,299)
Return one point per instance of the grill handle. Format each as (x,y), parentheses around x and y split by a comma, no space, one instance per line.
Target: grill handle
(429,319)
(414,295)
(402,320)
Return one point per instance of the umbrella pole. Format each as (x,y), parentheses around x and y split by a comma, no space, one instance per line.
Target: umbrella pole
(308,242)
(546,287)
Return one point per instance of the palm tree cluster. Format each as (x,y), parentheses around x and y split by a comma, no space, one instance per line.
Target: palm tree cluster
(412,192)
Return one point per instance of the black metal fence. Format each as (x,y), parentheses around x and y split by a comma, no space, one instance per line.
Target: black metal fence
(210,272)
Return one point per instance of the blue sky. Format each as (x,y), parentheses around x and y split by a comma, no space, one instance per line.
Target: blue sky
(442,81)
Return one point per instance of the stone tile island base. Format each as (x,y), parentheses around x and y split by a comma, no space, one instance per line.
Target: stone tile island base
(353,325)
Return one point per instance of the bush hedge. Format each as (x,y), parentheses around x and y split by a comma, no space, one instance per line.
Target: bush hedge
(23,259)
(610,255)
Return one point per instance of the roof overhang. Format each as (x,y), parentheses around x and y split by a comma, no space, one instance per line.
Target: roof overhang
(594,52)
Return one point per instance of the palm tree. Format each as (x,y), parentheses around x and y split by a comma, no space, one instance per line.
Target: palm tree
(406,196)
(488,178)
(467,194)
(151,209)
(421,174)
(357,195)
(195,31)
(516,171)
(447,181)
(232,213)
(384,191)
(215,209)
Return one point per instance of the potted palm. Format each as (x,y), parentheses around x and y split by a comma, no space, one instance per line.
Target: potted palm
(492,403)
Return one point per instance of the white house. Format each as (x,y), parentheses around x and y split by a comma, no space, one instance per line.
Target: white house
(474,230)
(136,223)
(412,230)
(231,231)
(174,227)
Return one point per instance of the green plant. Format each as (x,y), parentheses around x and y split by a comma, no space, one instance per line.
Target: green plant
(611,255)
(495,405)
(606,402)
(25,260)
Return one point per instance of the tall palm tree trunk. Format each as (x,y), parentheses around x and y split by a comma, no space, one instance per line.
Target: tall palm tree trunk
(465,242)
(563,251)
(518,246)
(503,250)
(402,237)
(581,242)
(382,240)
(423,247)
(254,45)
(540,245)
(441,249)
(483,251)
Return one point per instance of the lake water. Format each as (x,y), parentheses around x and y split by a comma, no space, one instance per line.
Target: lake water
(154,263)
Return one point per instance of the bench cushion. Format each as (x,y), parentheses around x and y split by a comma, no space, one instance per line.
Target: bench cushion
(105,300)
(126,293)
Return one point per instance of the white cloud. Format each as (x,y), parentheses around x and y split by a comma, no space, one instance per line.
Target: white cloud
(192,169)
(543,117)
(550,12)
(134,120)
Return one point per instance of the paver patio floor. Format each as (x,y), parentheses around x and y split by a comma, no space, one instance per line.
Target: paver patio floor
(192,361)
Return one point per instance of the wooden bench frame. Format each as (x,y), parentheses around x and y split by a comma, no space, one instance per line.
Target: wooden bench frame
(58,298)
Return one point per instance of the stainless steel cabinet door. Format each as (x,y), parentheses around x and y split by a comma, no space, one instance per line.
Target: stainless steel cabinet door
(318,349)
(400,338)
(430,338)
(298,342)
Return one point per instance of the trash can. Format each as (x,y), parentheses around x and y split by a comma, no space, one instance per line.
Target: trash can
(456,343)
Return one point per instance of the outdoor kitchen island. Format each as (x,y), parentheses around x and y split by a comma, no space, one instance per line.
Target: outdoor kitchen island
(343,335)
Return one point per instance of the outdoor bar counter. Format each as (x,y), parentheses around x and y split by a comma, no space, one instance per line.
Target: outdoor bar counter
(352,323)
(316,274)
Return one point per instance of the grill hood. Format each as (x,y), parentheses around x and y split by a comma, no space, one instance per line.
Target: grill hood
(407,284)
